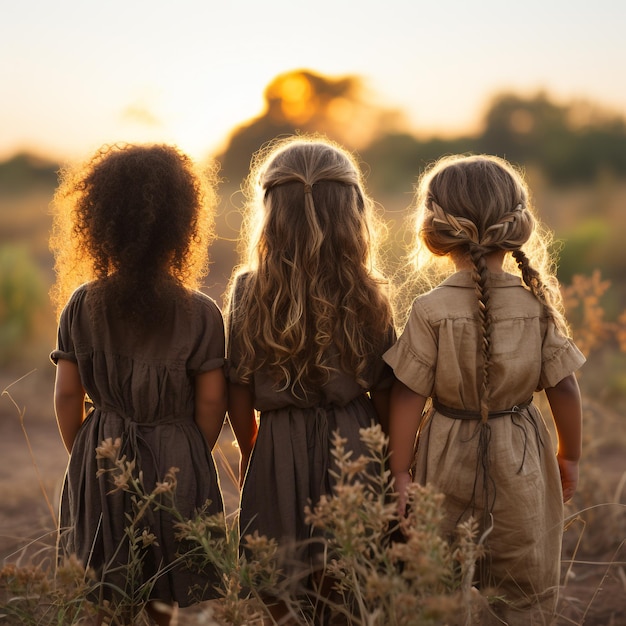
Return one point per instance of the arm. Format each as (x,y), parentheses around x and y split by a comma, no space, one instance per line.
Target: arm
(69,401)
(380,400)
(565,403)
(210,404)
(405,415)
(243,422)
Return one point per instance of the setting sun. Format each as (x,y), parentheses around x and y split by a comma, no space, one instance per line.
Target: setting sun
(190,73)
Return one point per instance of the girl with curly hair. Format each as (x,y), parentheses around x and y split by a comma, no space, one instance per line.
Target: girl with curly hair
(308,322)
(480,345)
(146,349)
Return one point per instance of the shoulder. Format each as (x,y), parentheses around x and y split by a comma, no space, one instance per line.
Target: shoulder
(512,299)
(80,292)
(239,289)
(205,304)
(241,282)
(455,298)
(447,300)
(75,302)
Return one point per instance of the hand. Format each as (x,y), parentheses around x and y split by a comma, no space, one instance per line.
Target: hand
(569,477)
(401,481)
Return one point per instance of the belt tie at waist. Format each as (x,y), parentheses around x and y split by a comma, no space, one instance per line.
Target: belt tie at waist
(133,437)
(462,414)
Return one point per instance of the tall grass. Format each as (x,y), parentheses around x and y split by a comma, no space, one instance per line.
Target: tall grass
(376,579)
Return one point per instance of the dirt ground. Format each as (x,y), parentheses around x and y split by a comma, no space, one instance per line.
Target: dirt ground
(594,588)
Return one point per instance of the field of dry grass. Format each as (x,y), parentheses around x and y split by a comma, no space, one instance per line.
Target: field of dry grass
(594,556)
(32,458)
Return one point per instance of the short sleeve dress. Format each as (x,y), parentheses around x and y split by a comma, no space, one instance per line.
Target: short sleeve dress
(141,386)
(438,356)
(289,465)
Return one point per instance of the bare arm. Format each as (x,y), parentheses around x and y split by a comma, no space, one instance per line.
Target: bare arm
(380,400)
(405,415)
(242,419)
(69,401)
(210,404)
(566,406)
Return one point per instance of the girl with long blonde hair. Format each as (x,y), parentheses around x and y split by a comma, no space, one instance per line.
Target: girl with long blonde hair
(308,322)
(479,345)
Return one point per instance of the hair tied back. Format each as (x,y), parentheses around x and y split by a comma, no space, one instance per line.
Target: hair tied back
(460,227)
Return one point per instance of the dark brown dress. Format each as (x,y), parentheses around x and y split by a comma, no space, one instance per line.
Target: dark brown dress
(289,466)
(142,388)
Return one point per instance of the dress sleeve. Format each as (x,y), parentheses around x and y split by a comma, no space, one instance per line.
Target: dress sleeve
(413,357)
(559,357)
(383,374)
(209,350)
(65,348)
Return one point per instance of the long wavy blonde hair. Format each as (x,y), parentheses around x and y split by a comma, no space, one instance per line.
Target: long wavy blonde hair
(138,219)
(311,292)
(470,206)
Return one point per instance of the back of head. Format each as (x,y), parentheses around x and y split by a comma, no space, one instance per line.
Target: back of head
(470,203)
(311,253)
(311,206)
(137,216)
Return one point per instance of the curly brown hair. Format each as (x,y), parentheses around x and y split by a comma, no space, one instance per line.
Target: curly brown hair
(135,219)
(311,285)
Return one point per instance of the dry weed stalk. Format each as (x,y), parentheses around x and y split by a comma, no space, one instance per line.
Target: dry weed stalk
(390,571)
(21,413)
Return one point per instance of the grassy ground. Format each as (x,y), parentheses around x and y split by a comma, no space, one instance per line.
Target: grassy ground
(594,557)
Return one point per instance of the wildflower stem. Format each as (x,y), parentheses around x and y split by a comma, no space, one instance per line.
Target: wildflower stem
(21,413)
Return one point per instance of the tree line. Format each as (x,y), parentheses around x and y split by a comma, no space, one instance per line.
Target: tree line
(574,142)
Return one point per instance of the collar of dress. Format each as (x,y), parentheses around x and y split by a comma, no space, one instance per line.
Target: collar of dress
(463,278)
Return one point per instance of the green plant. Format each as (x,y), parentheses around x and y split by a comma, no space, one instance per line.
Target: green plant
(22,295)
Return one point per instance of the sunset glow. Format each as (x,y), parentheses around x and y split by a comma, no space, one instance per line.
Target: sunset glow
(76,75)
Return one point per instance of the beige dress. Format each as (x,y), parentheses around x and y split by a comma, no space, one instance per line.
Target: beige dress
(438,356)
(142,389)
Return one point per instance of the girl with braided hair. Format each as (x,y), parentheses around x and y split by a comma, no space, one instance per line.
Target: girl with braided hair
(479,345)
(135,337)
(308,322)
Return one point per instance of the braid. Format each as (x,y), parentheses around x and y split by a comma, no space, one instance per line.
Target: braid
(541,291)
(479,274)
(530,275)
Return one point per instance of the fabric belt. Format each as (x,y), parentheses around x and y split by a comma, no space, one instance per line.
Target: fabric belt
(462,414)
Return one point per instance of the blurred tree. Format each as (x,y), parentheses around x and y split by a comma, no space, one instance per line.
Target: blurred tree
(307,102)
(24,171)
(397,159)
(575,142)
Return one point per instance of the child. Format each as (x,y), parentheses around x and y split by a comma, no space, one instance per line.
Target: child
(480,344)
(147,350)
(307,326)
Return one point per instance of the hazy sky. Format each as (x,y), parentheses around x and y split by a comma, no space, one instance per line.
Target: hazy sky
(77,73)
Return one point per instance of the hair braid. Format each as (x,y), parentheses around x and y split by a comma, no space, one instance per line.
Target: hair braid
(544,293)
(530,276)
(479,274)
